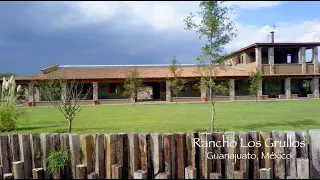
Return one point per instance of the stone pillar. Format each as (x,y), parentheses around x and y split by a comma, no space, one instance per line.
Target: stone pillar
(63,91)
(258,58)
(271,59)
(260,91)
(95,87)
(303,60)
(315,59)
(26,93)
(31,94)
(232,90)
(168,91)
(204,95)
(287,86)
(315,87)
(37,94)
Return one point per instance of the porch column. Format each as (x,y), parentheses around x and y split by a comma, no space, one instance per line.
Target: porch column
(315,87)
(315,59)
(271,59)
(232,90)
(203,94)
(168,91)
(63,91)
(287,86)
(258,58)
(260,91)
(37,94)
(303,60)
(26,93)
(95,87)
(31,94)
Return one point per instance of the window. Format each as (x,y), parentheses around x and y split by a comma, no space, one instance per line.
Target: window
(112,87)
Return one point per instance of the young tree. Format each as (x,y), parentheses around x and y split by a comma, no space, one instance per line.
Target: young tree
(255,83)
(65,96)
(177,83)
(132,84)
(218,29)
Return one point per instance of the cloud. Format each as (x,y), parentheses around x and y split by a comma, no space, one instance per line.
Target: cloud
(254,4)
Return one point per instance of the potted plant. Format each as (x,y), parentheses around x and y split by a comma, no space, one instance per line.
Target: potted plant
(30,104)
(95,102)
(261,97)
(205,99)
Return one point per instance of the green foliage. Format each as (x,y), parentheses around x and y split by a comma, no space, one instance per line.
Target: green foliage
(7,75)
(218,30)
(255,83)
(177,83)
(57,160)
(10,113)
(132,84)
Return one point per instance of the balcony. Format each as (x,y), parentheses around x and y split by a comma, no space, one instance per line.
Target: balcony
(287,69)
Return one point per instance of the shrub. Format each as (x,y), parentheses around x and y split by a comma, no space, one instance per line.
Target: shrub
(10,113)
(57,160)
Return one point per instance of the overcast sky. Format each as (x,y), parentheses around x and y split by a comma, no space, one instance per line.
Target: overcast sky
(34,35)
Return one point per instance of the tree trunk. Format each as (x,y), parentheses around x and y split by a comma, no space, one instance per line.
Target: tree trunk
(69,125)
(212,115)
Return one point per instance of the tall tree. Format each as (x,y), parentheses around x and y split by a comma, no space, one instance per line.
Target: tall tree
(218,29)
(255,83)
(132,84)
(68,101)
(177,83)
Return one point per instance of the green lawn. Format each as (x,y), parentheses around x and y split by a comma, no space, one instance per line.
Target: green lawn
(231,116)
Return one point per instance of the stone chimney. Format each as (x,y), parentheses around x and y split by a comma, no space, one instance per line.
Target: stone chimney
(272,36)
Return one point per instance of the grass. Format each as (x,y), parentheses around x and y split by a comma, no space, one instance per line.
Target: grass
(184,117)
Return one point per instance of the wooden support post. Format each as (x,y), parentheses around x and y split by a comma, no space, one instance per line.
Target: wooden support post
(163,176)
(244,149)
(314,154)
(14,147)
(86,146)
(193,151)
(4,153)
(116,171)
(25,154)
(93,175)
(81,171)
(7,176)
(169,154)
(279,163)
(156,153)
(218,163)
(110,153)
(181,149)
(265,173)
(239,175)
(255,150)
(38,173)
(266,148)
(302,152)
(134,161)
(65,146)
(18,170)
(121,152)
(291,163)
(35,150)
(74,142)
(215,176)
(190,173)
(140,174)
(45,150)
(303,168)
(144,147)
(99,156)
(229,166)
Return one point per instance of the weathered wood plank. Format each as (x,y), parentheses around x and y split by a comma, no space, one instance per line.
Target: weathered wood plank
(169,157)
(140,174)
(38,173)
(156,151)
(239,175)
(99,156)
(193,150)
(163,176)
(117,171)
(123,156)
(215,176)
(18,170)
(190,173)
(74,142)
(314,154)
(93,175)
(4,153)
(218,164)
(145,153)
(229,166)
(181,149)
(14,147)
(302,151)
(110,153)
(291,163)
(35,150)
(303,168)
(134,160)
(45,150)
(55,146)
(244,149)
(265,173)
(254,150)
(279,150)
(1,172)
(25,154)
(66,173)
(81,171)
(266,148)
(86,146)
(7,176)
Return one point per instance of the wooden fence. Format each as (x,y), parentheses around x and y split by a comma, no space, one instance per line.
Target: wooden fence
(222,155)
